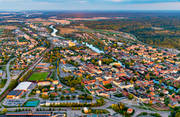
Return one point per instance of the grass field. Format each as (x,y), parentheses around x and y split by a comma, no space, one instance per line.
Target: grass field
(1,31)
(3,82)
(38,76)
(66,30)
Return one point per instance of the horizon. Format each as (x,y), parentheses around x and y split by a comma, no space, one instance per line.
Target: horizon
(90,5)
(78,58)
(86,11)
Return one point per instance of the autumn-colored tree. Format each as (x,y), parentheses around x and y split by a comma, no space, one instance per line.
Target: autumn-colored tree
(72,89)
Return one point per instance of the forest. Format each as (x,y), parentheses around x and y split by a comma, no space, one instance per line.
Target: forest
(159,30)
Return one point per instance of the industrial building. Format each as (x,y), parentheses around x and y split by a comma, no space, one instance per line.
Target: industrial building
(15,94)
(24,86)
(19,90)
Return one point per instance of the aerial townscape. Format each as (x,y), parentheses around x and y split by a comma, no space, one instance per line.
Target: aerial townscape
(89,64)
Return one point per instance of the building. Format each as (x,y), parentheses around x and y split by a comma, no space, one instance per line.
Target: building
(44,83)
(118,84)
(130,110)
(68,67)
(59,86)
(58,102)
(52,88)
(55,82)
(15,94)
(44,66)
(24,86)
(27,113)
(72,44)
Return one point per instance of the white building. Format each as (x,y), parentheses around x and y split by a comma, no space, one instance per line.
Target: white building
(24,86)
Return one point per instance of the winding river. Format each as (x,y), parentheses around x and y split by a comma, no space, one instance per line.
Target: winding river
(95,49)
(54,31)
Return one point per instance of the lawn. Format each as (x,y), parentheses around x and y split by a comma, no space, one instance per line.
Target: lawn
(3,82)
(1,31)
(38,76)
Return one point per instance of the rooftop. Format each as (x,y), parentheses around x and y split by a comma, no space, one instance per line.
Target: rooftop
(23,86)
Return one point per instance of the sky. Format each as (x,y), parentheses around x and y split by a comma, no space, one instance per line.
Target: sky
(16,5)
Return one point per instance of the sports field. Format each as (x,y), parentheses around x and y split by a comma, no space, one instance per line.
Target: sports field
(32,103)
(38,76)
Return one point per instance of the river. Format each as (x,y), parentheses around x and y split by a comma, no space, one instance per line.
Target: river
(100,51)
(54,31)
(119,62)
(168,87)
(95,49)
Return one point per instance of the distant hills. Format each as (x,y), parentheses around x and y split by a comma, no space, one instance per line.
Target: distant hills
(159,29)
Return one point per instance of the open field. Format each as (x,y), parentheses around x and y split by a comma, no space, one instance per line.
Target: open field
(8,27)
(66,30)
(60,21)
(1,31)
(3,82)
(38,76)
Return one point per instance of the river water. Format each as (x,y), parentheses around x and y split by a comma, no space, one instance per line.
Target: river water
(168,87)
(95,49)
(54,31)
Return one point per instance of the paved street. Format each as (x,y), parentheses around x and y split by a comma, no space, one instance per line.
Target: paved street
(8,76)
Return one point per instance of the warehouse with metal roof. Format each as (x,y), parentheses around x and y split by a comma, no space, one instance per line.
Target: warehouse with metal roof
(24,86)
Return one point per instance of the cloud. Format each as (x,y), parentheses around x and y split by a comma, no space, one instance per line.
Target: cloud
(117,0)
(143,1)
(11,0)
(83,1)
(89,5)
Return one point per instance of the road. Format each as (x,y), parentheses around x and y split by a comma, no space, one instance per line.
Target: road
(36,62)
(63,75)
(33,66)
(8,77)
(129,104)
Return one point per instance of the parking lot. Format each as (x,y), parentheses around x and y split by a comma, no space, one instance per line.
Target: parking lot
(14,102)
